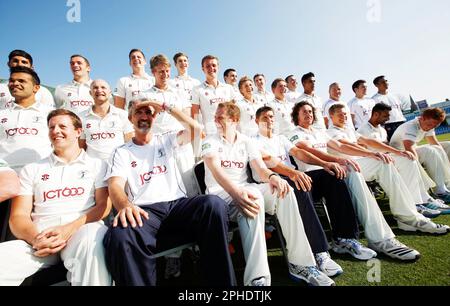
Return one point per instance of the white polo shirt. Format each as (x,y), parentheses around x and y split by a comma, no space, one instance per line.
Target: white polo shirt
(150,171)
(396,114)
(24,134)
(103,135)
(264,97)
(409,131)
(59,188)
(362,110)
(131,87)
(247,124)
(233,157)
(208,97)
(283,121)
(277,146)
(317,139)
(326,112)
(5,95)
(74,96)
(165,122)
(42,96)
(292,96)
(317,103)
(184,84)
(369,131)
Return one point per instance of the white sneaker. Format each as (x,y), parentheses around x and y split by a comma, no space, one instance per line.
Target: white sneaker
(354,248)
(427,212)
(395,249)
(328,265)
(426,226)
(309,274)
(259,282)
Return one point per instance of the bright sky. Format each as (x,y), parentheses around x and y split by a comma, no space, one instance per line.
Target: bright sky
(345,40)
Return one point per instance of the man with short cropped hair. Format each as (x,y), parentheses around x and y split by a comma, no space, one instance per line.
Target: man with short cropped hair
(75,96)
(309,95)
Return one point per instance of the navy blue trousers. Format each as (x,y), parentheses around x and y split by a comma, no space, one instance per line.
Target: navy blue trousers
(313,228)
(201,219)
(339,205)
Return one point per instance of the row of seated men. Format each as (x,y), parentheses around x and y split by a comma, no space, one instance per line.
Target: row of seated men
(141,161)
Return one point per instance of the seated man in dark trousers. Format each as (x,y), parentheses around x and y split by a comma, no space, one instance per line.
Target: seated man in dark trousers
(154,212)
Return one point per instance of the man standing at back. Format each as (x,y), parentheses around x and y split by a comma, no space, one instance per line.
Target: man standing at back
(130,87)
(75,96)
(309,86)
(21,58)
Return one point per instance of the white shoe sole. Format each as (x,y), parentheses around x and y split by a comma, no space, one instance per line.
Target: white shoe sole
(409,228)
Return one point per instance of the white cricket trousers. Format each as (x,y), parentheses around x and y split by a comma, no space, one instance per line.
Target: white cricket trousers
(412,176)
(446,146)
(400,201)
(436,163)
(83,256)
(366,207)
(253,237)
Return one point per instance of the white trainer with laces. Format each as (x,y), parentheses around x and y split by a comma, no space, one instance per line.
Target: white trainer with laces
(426,226)
(259,282)
(309,274)
(328,265)
(395,249)
(354,248)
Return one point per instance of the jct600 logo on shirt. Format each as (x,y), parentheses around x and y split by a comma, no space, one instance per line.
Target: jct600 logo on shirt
(158,170)
(66,192)
(21,131)
(104,135)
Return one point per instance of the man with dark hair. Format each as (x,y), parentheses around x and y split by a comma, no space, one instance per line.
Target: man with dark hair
(261,94)
(309,86)
(130,87)
(231,78)
(23,130)
(23,59)
(183,83)
(57,215)
(360,106)
(396,115)
(292,94)
(75,96)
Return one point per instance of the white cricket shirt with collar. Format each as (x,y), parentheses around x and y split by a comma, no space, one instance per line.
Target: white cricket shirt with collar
(184,84)
(164,121)
(292,96)
(263,97)
(318,105)
(410,130)
(74,96)
(208,98)
(247,124)
(326,112)
(368,130)
(282,111)
(338,133)
(131,87)
(24,134)
(5,96)
(150,171)
(233,158)
(4,166)
(316,138)
(396,114)
(103,135)
(59,188)
(362,110)
(277,146)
